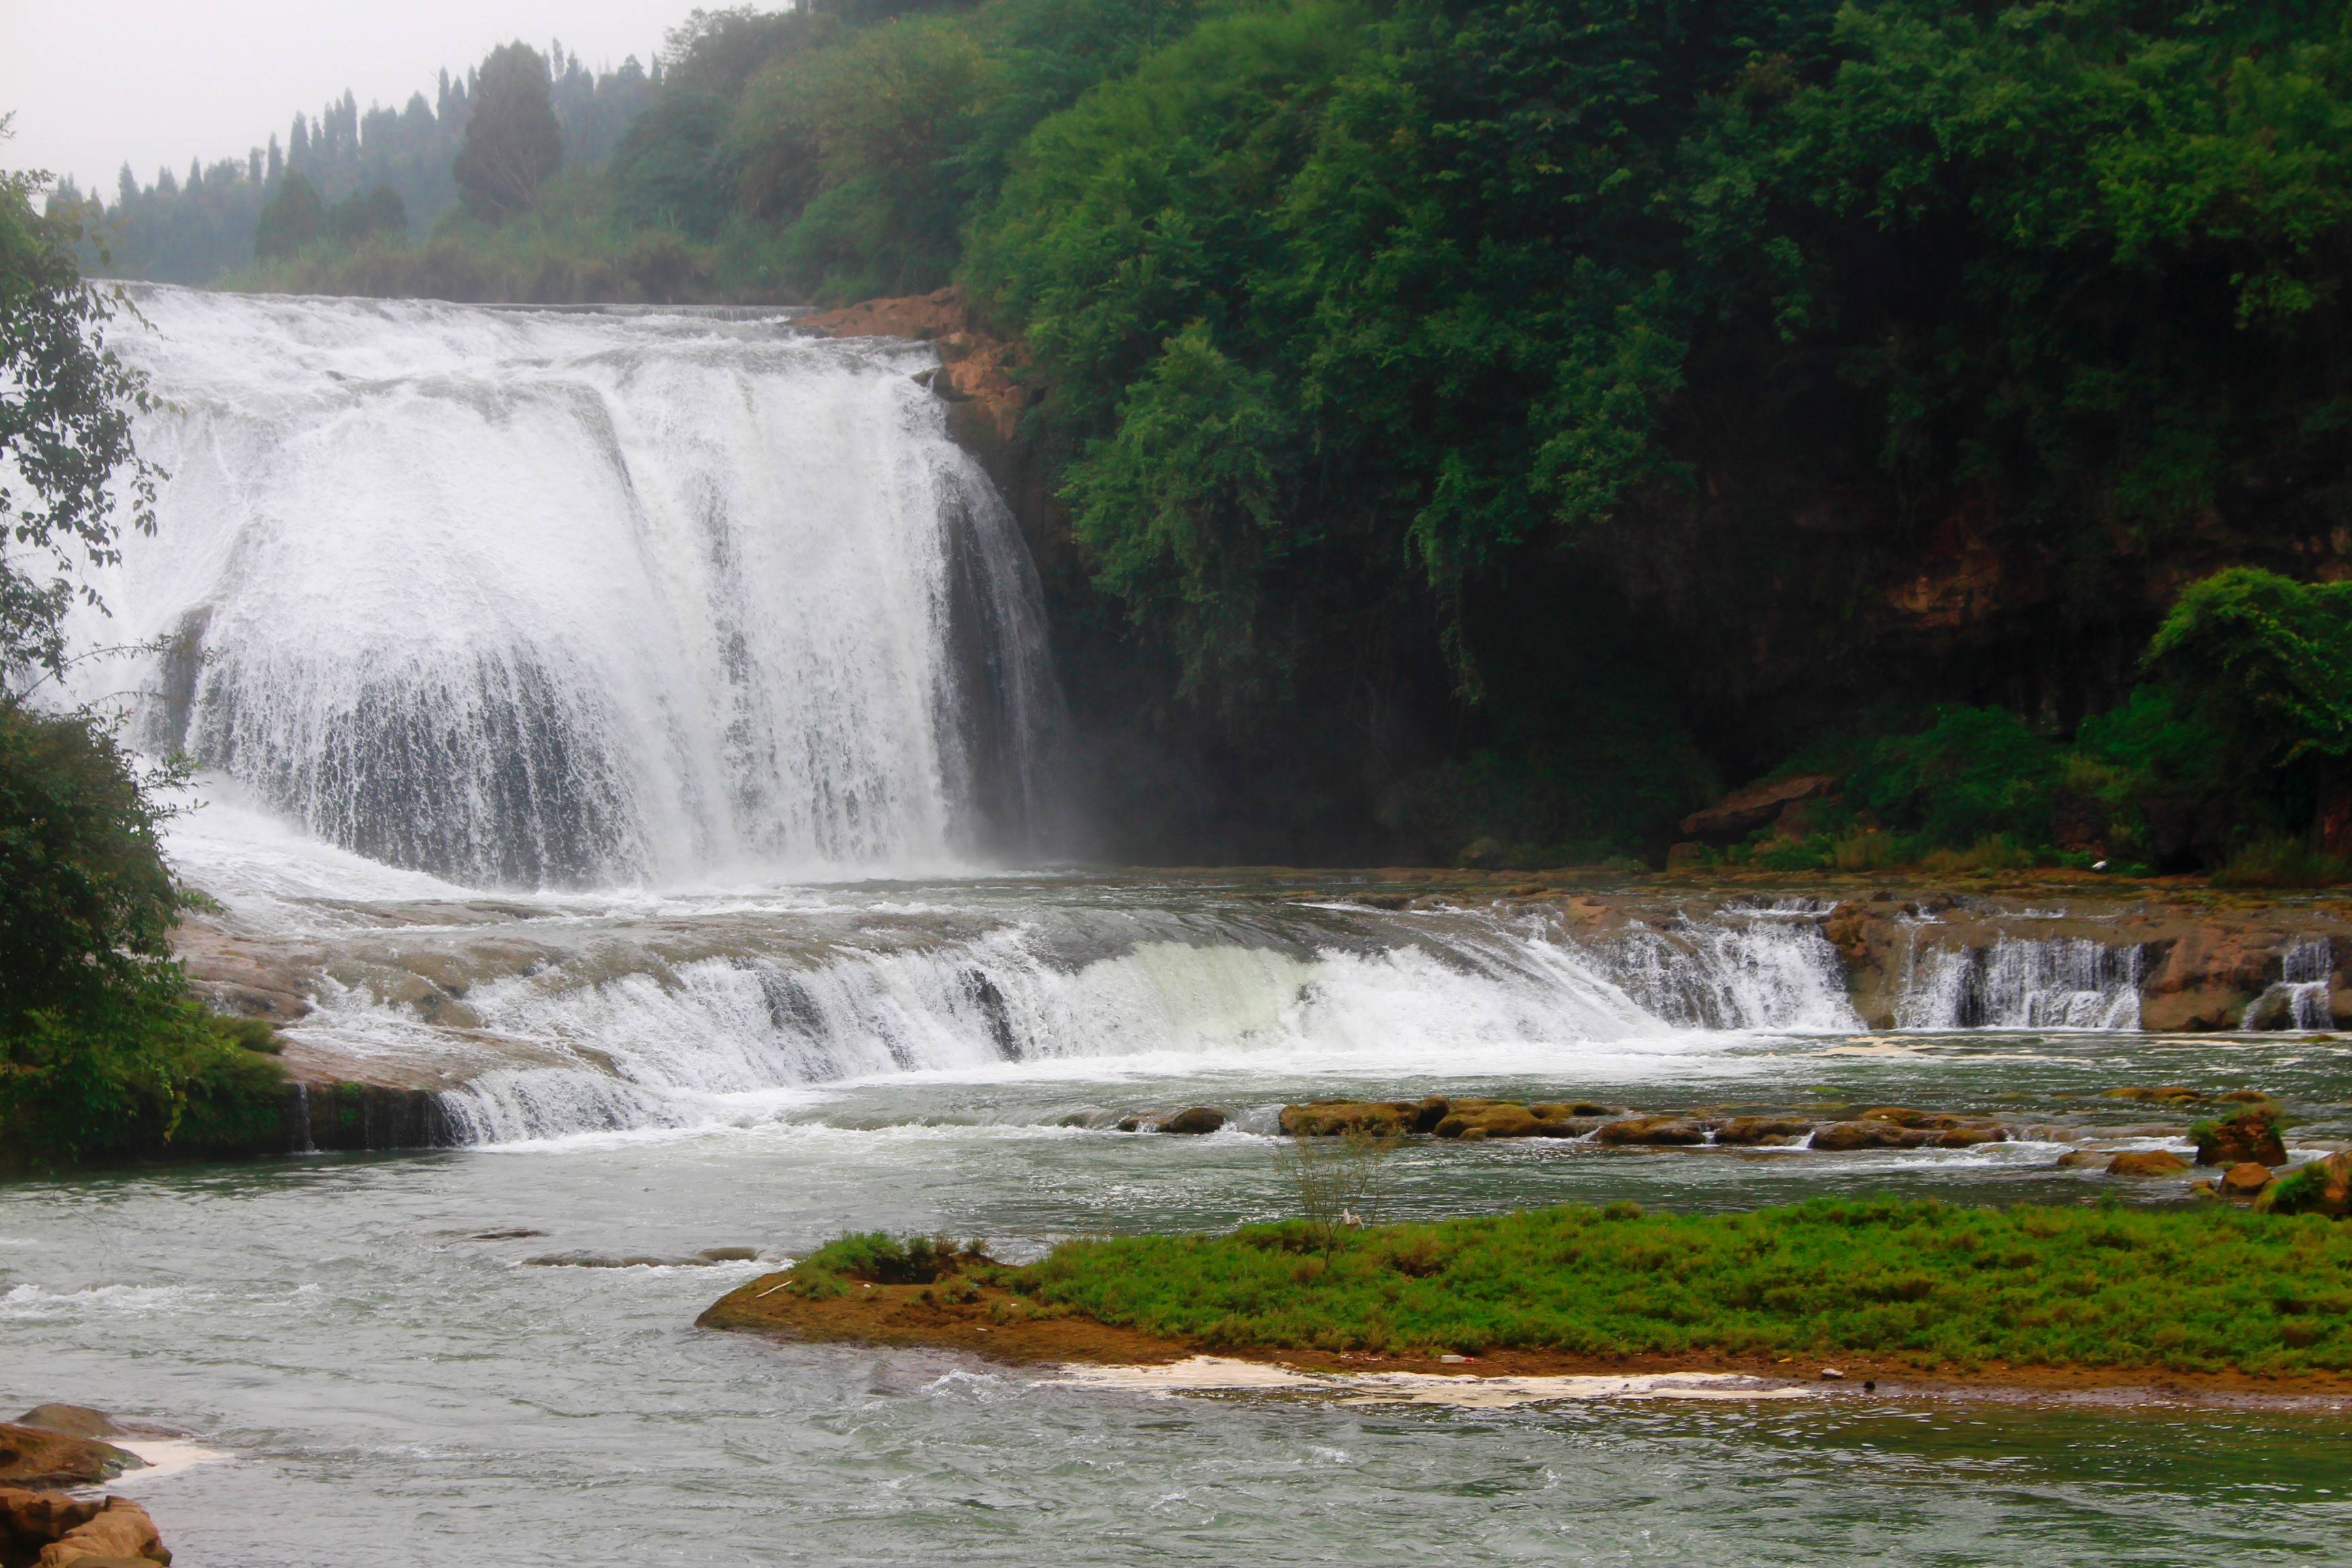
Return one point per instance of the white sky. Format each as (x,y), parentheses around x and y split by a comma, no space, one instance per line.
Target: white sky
(93,83)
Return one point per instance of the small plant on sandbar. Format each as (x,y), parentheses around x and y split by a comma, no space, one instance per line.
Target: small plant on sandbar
(1338,1182)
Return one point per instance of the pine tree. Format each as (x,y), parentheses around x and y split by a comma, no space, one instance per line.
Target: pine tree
(513,141)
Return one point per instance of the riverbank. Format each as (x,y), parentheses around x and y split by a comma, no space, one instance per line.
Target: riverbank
(2033,1295)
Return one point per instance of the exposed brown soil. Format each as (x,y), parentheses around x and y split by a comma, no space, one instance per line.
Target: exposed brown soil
(996,1324)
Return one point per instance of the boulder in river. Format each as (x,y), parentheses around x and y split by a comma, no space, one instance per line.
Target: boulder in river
(2249,1136)
(1199,1119)
(1657,1131)
(1503,1118)
(1841,1137)
(52,1530)
(1333,1118)
(2146,1162)
(36,1457)
(2324,1186)
(2244,1180)
(74,1421)
(1753,1129)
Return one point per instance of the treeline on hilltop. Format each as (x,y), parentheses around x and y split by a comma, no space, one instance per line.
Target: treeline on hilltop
(1491,427)
(383,171)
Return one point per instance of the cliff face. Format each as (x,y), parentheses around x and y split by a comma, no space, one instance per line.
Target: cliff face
(1792,607)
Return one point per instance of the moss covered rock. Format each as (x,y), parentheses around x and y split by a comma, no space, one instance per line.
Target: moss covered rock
(2251,1135)
(2324,1186)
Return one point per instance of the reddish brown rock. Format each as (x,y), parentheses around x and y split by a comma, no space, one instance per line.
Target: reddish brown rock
(1904,1116)
(2233,1141)
(2146,1162)
(1333,1118)
(50,1530)
(1969,1136)
(1755,805)
(1839,1137)
(1199,1119)
(979,374)
(2245,1180)
(32,1456)
(1754,1130)
(1672,1131)
(2324,1186)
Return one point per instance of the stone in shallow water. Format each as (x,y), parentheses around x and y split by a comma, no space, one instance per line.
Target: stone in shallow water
(1199,1119)
(33,1456)
(2244,1179)
(2146,1162)
(73,1532)
(2249,1135)
(1748,1129)
(1654,1130)
(1839,1137)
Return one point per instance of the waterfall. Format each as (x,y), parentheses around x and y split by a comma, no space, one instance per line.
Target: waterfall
(2299,999)
(2022,982)
(530,598)
(1741,968)
(646,1028)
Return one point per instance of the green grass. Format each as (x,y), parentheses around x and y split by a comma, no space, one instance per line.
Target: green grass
(2183,1289)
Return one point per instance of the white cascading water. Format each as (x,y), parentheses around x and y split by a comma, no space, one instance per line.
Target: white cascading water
(2300,997)
(2023,982)
(527,598)
(640,617)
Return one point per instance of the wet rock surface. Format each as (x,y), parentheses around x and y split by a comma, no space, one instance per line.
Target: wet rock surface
(37,1456)
(2146,1162)
(2250,1136)
(2322,1187)
(51,1530)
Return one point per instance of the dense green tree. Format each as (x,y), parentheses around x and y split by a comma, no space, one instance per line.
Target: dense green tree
(294,220)
(378,212)
(669,171)
(66,404)
(513,142)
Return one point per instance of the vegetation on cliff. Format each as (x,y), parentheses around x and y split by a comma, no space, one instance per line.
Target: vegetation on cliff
(1927,1284)
(101,1052)
(1478,425)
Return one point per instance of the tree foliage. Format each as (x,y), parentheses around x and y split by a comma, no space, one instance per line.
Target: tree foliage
(513,142)
(66,403)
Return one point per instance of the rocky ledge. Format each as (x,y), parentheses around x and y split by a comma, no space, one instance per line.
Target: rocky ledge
(55,1446)
(2243,1135)
(52,1530)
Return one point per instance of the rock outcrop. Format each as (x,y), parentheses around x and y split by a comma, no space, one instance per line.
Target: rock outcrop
(36,1457)
(2324,1186)
(2248,1137)
(1746,810)
(51,1530)
(2146,1162)
(2246,1180)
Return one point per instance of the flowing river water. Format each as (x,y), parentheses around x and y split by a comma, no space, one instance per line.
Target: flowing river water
(632,825)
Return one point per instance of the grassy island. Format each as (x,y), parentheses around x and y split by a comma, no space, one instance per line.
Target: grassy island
(1924,1287)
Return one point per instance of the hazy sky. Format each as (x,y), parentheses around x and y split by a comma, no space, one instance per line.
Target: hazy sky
(93,83)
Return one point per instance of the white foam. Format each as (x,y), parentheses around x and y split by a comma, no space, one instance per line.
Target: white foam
(1204,1374)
